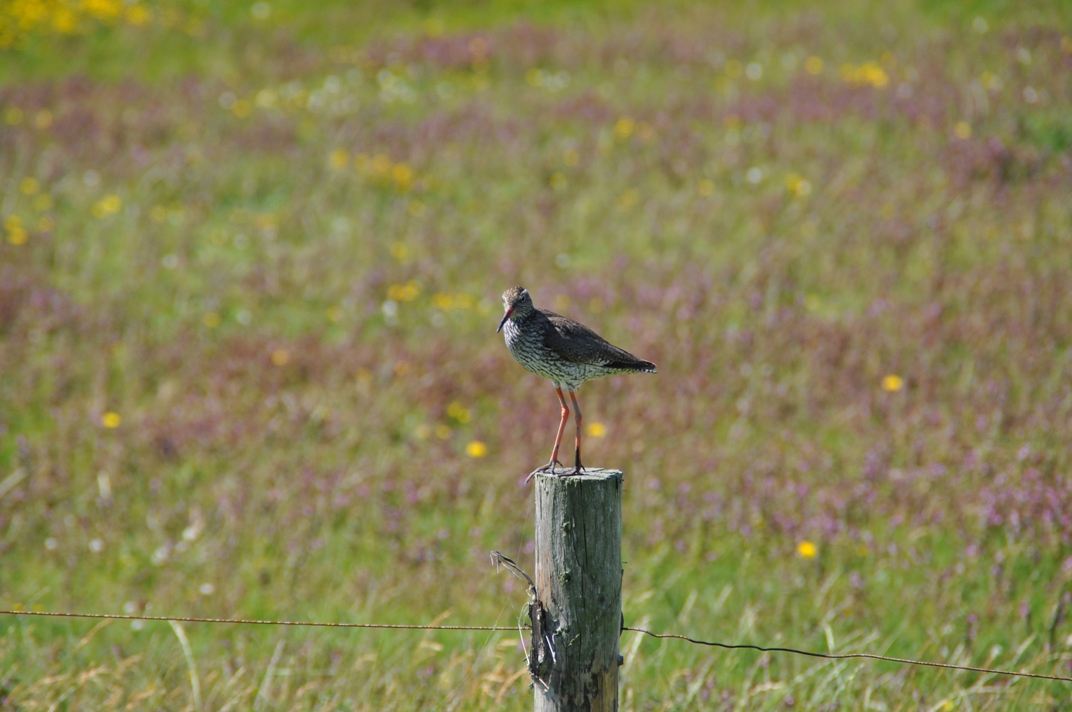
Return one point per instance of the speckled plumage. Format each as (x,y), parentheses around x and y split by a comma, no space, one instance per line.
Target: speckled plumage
(558,348)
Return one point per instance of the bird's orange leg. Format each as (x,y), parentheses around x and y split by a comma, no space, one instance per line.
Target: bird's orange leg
(578,467)
(561,429)
(558,438)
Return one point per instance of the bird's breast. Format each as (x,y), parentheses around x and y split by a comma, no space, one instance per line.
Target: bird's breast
(528,349)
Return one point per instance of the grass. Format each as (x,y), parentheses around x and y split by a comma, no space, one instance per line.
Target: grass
(249,282)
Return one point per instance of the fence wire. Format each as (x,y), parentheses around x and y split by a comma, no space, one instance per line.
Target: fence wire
(417,626)
(253,621)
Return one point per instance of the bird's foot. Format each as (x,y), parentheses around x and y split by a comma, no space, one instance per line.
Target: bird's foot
(549,467)
(578,468)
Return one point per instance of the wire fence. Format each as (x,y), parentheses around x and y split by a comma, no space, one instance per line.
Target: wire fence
(416,626)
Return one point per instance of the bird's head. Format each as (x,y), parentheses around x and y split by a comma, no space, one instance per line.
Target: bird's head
(516,303)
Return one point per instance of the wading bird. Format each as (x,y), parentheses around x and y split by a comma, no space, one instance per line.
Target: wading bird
(564,351)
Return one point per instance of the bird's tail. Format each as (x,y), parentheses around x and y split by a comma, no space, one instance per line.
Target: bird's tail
(637,365)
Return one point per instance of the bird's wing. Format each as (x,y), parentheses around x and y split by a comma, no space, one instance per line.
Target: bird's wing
(577,343)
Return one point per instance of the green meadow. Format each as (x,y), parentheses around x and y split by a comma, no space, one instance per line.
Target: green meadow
(251,257)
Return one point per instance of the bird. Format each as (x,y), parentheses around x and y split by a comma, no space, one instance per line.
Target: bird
(568,353)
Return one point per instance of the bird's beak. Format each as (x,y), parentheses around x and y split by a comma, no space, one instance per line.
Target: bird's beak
(505,317)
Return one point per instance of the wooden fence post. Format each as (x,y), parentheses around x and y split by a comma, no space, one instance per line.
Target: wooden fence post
(577,616)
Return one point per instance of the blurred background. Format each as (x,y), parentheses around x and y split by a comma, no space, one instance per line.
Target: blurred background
(250,270)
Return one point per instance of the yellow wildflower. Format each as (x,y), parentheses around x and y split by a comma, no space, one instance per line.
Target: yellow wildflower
(138,15)
(892,383)
(402,175)
(105,10)
(459,412)
(17,236)
(64,21)
(16,233)
(339,159)
(242,108)
(106,206)
(813,65)
(797,185)
(866,73)
(404,292)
